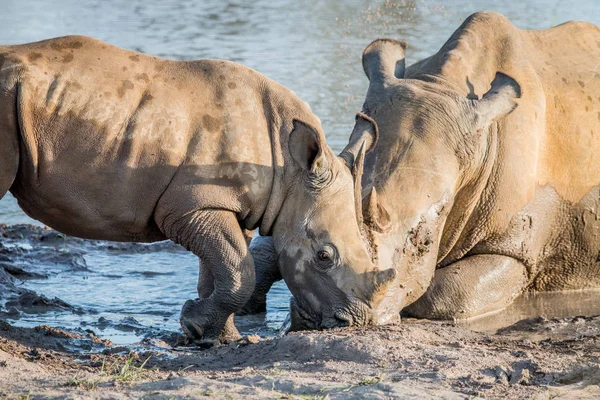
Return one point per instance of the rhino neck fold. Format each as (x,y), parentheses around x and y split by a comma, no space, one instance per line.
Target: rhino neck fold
(276,196)
(275,201)
(466,213)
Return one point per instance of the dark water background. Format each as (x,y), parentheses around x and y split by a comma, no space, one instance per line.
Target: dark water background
(312,47)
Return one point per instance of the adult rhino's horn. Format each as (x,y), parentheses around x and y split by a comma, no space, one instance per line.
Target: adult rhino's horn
(357,173)
(383,60)
(375,215)
(362,140)
(365,133)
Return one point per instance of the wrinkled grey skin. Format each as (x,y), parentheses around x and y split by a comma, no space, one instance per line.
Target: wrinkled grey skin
(484,182)
(267,272)
(103,143)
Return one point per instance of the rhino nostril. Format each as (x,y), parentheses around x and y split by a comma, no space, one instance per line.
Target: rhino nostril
(343,319)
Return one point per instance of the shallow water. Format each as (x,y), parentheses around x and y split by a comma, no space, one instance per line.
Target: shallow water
(548,305)
(313,47)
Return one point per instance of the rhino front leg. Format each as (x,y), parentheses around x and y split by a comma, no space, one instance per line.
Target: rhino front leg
(471,287)
(267,273)
(206,286)
(217,239)
(9,144)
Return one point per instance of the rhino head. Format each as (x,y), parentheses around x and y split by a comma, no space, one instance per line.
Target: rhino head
(434,157)
(321,251)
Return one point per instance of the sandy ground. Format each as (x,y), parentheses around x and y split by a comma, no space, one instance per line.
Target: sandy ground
(535,358)
(542,359)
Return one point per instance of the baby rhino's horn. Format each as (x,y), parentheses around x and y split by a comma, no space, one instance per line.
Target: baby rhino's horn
(384,278)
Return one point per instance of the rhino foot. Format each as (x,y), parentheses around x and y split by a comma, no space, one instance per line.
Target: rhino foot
(471,287)
(205,326)
(230,332)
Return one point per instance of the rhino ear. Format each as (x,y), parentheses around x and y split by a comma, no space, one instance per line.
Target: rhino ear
(385,277)
(307,148)
(498,102)
(375,215)
(383,60)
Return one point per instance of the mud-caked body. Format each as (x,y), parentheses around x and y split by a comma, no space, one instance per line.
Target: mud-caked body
(486,165)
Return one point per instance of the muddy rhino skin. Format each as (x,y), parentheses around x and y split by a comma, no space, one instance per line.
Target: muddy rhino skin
(487,165)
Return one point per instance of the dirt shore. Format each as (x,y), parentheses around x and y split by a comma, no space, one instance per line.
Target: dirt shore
(538,358)
(535,358)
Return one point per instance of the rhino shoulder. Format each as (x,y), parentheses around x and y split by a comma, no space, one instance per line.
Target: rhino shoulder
(485,20)
(483,27)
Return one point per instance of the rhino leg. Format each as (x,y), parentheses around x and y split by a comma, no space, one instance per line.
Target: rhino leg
(217,239)
(9,147)
(206,282)
(206,285)
(267,273)
(6,178)
(474,286)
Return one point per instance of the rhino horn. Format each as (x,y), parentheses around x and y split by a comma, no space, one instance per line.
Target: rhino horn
(384,278)
(357,173)
(375,215)
(383,60)
(362,140)
(365,132)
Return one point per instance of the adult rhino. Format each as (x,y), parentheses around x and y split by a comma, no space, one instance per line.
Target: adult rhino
(104,143)
(484,179)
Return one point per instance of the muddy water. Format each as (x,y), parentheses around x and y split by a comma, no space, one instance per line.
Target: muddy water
(550,305)
(313,47)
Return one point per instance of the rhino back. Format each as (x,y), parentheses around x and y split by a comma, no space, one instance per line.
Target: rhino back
(559,75)
(104,131)
(566,61)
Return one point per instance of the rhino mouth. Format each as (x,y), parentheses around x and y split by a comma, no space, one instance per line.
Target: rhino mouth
(301,319)
(304,320)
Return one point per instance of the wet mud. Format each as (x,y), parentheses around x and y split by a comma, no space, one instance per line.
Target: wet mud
(506,354)
(414,359)
(32,253)
(124,291)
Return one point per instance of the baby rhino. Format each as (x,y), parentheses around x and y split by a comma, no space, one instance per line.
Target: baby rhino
(104,143)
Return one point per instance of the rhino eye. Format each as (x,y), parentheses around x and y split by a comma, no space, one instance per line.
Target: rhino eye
(326,257)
